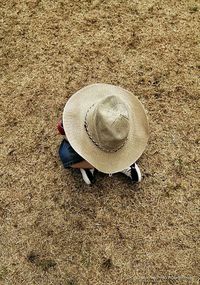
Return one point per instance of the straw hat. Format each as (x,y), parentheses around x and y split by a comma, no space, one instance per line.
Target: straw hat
(107,126)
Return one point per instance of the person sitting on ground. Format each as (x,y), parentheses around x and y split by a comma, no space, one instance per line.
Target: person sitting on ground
(106,129)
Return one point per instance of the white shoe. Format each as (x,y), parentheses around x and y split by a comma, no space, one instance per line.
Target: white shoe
(133,172)
(88,175)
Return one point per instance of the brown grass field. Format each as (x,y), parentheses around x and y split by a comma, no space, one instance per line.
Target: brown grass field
(56,230)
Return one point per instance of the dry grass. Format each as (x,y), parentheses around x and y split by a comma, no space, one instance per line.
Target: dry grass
(53,228)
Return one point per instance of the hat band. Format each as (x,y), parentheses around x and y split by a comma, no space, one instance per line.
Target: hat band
(96,143)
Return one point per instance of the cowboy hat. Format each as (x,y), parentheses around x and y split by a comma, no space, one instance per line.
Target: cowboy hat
(107,126)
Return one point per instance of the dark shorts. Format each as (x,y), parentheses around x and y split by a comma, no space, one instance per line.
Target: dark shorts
(68,155)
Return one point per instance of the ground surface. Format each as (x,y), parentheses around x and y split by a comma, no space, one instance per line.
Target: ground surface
(53,228)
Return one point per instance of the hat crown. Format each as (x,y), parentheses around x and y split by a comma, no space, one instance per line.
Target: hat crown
(108,123)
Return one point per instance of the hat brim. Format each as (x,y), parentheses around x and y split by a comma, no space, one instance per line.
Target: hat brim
(73,122)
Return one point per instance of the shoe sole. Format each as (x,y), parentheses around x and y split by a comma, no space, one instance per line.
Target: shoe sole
(139,173)
(85,177)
